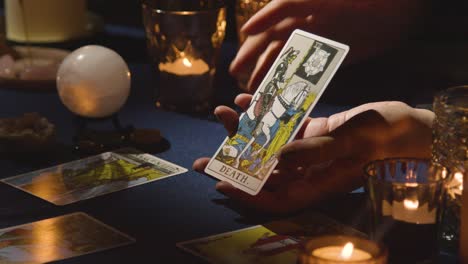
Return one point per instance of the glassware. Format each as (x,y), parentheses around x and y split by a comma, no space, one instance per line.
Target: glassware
(245,9)
(450,149)
(342,249)
(406,200)
(184,39)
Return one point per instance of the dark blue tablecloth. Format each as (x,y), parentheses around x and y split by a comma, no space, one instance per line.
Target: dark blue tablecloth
(157,214)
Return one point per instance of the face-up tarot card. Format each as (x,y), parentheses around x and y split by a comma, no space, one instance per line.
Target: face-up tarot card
(283,100)
(94,176)
(275,242)
(58,238)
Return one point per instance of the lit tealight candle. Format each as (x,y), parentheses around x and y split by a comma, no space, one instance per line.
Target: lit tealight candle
(411,211)
(341,254)
(342,250)
(185,66)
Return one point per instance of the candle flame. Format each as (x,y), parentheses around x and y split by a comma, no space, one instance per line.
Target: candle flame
(444,173)
(187,62)
(411,204)
(347,250)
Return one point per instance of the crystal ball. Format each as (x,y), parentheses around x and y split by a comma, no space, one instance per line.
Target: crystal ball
(93,81)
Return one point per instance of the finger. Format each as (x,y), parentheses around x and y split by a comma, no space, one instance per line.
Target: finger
(316,127)
(304,152)
(264,64)
(306,123)
(276,11)
(200,164)
(284,28)
(335,180)
(254,46)
(243,101)
(249,53)
(228,117)
(281,176)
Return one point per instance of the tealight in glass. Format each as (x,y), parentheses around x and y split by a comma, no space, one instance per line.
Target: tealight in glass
(406,199)
(184,39)
(342,250)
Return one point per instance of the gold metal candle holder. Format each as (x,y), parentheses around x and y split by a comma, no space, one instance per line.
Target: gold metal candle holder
(450,149)
(245,9)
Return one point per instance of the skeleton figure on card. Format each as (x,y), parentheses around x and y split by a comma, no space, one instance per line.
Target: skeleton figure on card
(277,109)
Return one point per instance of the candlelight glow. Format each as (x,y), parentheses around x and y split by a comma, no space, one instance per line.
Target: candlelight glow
(347,251)
(411,184)
(459,178)
(47,239)
(411,204)
(444,173)
(411,175)
(186,62)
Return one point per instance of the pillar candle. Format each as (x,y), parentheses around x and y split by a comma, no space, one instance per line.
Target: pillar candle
(45,20)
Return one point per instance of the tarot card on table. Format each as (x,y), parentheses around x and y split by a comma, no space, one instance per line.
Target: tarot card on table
(94,176)
(283,100)
(58,238)
(275,242)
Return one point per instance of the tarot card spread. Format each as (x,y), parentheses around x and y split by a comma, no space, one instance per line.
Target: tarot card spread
(94,176)
(275,242)
(58,238)
(283,100)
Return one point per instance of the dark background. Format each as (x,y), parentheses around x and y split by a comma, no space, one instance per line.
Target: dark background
(434,58)
(431,60)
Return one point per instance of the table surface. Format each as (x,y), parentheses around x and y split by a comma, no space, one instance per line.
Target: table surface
(161,213)
(156,214)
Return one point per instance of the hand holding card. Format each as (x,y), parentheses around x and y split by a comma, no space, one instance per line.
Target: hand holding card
(277,110)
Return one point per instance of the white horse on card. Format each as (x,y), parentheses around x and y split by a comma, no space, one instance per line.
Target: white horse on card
(292,97)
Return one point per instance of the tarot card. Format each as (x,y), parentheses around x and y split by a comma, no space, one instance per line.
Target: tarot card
(275,242)
(283,100)
(58,238)
(94,176)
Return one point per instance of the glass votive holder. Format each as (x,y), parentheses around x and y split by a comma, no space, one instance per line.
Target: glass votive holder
(450,149)
(406,202)
(342,249)
(184,40)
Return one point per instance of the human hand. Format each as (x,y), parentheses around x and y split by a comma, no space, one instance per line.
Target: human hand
(328,154)
(368,27)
